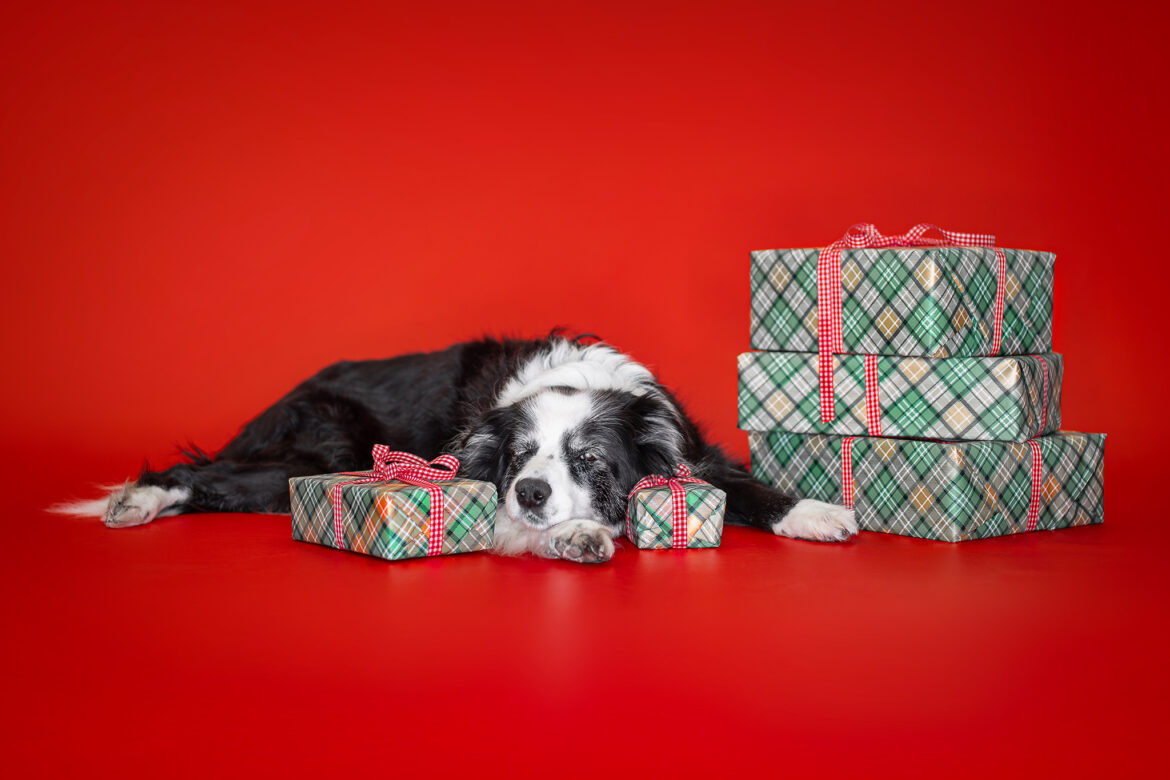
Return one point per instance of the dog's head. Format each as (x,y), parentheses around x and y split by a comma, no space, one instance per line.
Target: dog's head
(564,454)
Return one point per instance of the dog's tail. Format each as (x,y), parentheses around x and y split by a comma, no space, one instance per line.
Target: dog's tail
(93,507)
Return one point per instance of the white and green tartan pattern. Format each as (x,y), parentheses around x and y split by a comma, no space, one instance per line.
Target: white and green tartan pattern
(469,515)
(913,301)
(650,517)
(953,491)
(964,398)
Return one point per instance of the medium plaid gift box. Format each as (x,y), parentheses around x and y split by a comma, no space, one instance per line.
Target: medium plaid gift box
(675,512)
(966,398)
(953,491)
(404,507)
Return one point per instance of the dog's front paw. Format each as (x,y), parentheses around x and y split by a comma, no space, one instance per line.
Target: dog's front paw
(580,541)
(818,521)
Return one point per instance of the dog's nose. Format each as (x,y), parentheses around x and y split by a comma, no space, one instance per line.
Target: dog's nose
(531,493)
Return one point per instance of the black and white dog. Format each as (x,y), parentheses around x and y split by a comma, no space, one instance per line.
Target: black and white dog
(563,428)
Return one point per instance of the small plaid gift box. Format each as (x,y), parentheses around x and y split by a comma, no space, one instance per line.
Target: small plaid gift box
(953,491)
(405,507)
(962,398)
(675,512)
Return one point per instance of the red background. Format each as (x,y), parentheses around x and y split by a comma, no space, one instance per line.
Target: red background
(202,203)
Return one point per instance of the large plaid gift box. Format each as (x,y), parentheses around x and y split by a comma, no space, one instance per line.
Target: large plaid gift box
(934,300)
(968,398)
(954,491)
(404,508)
(675,512)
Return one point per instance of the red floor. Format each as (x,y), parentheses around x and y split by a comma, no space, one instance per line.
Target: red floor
(210,643)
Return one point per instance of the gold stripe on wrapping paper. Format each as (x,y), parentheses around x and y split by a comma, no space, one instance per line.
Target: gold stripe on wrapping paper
(778,405)
(962,318)
(885,448)
(990,497)
(888,323)
(957,283)
(779,276)
(851,275)
(810,322)
(956,456)
(958,417)
(693,526)
(921,499)
(1011,286)
(927,274)
(1007,372)
(1051,488)
(913,368)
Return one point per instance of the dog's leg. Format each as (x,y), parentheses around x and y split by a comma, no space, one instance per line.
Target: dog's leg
(131,504)
(219,486)
(308,432)
(751,502)
(580,541)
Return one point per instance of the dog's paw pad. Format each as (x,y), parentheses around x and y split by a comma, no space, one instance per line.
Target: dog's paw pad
(583,543)
(818,521)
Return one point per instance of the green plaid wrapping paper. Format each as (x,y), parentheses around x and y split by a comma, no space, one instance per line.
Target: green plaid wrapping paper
(387,519)
(953,491)
(965,398)
(912,301)
(650,517)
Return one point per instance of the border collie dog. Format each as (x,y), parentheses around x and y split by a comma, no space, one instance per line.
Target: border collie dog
(562,427)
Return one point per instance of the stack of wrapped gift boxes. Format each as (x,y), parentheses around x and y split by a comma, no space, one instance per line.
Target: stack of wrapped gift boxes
(912,377)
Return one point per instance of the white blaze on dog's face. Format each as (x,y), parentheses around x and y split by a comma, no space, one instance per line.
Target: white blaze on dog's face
(543,490)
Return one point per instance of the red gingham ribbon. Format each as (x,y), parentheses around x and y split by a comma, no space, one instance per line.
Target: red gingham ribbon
(678,502)
(847,471)
(1044,402)
(865,234)
(873,398)
(392,465)
(1037,484)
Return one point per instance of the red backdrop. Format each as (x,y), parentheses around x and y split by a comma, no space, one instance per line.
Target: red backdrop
(202,203)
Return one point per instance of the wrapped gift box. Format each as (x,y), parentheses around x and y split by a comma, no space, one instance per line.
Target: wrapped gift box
(932,301)
(390,519)
(965,398)
(650,518)
(953,491)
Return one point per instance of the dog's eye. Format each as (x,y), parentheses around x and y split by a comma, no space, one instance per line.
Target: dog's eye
(588,457)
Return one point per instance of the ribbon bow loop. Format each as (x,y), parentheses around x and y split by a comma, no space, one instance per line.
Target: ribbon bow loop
(866,234)
(393,465)
(679,536)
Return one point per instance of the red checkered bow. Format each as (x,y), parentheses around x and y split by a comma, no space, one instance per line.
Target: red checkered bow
(390,465)
(864,234)
(678,501)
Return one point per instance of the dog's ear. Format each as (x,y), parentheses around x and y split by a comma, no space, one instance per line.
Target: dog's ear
(658,436)
(483,451)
